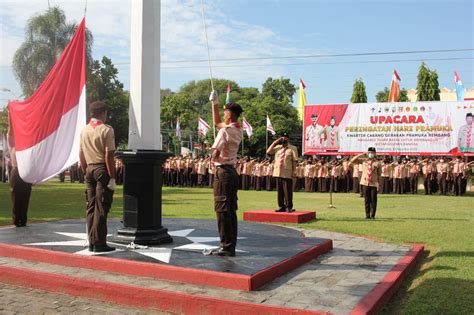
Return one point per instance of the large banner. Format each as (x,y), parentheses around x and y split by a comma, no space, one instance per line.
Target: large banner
(416,128)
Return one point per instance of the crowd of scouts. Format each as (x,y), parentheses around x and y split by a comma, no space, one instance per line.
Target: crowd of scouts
(325,174)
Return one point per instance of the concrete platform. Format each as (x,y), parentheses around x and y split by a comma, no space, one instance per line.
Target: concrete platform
(279,217)
(264,252)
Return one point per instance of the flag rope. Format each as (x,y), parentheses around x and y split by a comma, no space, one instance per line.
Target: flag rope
(209,61)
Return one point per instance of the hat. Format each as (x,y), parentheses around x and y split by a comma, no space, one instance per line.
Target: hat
(284,134)
(314,116)
(234,108)
(98,107)
(371,149)
(468,115)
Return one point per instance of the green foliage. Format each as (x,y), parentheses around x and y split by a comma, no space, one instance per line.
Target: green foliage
(192,100)
(3,120)
(427,87)
(382,96)
(46,36)
(358,92)
(279,89)
(103,85)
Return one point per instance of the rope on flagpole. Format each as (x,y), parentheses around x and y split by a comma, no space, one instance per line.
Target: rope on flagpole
(209,60)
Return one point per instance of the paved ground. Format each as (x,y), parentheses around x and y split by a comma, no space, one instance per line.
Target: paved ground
(334,282)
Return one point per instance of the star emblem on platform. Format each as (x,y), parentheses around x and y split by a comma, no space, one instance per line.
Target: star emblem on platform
(163,254)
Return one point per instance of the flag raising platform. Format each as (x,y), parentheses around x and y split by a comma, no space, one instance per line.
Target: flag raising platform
(281,217)
(263,253)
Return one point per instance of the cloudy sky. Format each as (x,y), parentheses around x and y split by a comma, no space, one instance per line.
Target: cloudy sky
(271,29)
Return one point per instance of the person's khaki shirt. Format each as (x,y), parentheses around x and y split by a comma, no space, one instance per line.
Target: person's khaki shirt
(288,167)
(95,142)
(376,172)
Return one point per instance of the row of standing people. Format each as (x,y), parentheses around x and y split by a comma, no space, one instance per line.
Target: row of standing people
(402,176)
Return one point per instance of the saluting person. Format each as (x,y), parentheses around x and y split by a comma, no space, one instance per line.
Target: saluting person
(371,170)
(286,158)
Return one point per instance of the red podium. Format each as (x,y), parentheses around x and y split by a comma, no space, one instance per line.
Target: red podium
(282,217)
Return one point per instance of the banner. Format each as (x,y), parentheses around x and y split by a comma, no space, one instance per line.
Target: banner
(415,128)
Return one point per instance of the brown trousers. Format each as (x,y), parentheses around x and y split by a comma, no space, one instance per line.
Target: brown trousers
(285,193)
(21,192)
(226,183)
(99,201)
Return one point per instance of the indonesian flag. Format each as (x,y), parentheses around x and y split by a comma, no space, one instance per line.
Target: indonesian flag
(247,127)
(227,98)
(270,127)
(48,124)
(301,99)
(394,87)
(203,127)
(460,90)
(178,129)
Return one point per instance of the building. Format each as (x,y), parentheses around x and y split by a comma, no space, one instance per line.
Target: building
(445,94)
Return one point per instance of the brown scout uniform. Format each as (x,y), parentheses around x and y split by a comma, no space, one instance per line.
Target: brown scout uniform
(284,169)
(226,184)
(371,171)
(96,139)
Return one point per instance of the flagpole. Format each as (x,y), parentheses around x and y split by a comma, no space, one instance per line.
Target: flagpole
(243,138)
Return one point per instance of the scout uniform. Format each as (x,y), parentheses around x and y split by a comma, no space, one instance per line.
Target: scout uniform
(284,169)
(226,183)
(369,181)
(96,140)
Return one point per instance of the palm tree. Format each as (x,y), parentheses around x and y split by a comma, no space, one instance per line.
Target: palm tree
(46,37)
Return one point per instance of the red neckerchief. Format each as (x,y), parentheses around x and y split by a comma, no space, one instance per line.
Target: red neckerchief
(94,123)
(235,124)
(369,170)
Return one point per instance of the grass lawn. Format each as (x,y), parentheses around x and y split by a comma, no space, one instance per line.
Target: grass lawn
(443,282)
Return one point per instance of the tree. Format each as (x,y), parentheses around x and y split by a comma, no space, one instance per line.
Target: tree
(382,96)
(46,37)
(3,120)
(103,85)
(279,89)
(358,92)
(427,88)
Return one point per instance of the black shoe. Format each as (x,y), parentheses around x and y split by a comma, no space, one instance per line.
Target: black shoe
(224,252)
(280,210)
(290,210)
(91,248)
(103,248)
(367,218)
(372,217)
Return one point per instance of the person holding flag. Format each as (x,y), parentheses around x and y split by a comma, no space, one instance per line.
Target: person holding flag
(226,183)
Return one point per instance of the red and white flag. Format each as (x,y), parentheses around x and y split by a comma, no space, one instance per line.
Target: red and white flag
(48,124)
(247,127)
(203,127)
(270,127)
(394,87)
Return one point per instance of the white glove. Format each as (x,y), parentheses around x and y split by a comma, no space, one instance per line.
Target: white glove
(112,185)
(213,97)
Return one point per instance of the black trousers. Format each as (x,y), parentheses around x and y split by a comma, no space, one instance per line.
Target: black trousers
(370,199)
(21,192)
(99,201)
(226,183)
(285,193)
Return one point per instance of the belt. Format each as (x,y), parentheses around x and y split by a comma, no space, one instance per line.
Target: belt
(226,166)
(96,164)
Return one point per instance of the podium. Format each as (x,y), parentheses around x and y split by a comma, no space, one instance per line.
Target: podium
(142,212)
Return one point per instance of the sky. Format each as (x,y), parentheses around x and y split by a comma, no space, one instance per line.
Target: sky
(271,29)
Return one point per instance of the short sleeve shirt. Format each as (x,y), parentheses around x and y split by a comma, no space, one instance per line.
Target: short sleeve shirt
(227,142)
(96,139)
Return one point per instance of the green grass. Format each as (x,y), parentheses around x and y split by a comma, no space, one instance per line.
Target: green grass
(443,282)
